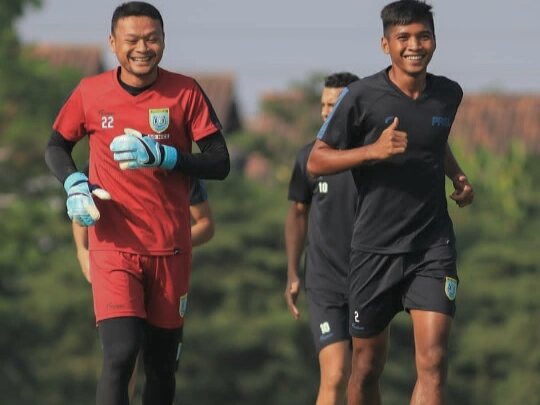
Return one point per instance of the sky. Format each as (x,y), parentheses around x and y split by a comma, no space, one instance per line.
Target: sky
(484,45)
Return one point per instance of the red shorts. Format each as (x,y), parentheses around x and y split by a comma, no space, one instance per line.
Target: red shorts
(154,288)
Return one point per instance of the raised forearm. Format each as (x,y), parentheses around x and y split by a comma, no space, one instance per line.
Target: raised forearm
(207,166)
(325,160)
(213,163)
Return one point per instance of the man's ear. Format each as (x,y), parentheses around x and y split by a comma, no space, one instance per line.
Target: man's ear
(384,45)
(111,42)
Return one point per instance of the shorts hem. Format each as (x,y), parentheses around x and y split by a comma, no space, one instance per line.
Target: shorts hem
(157,324)
(320,347)
(366,334)
(165,325)
(450,313)
(119,315)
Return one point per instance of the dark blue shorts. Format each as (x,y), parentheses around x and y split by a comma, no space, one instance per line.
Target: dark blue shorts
(328,317)
(381,285)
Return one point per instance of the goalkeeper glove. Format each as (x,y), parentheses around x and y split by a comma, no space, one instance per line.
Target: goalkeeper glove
(80,205)
(137,151)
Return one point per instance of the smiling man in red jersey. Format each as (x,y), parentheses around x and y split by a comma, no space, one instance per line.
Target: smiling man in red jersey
(391,129)
(141,121)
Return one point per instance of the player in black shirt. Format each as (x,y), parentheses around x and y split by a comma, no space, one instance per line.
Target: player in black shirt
(327,203)
(392,130)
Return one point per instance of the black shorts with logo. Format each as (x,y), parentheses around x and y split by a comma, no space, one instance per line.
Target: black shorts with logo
(328,316)
(381,285)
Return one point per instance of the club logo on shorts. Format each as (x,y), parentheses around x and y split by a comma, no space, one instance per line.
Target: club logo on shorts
(159,119)
(450,288)
(183,305)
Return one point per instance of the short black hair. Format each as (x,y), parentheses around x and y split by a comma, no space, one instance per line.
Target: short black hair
(405,12)
(340,79)
(137,9)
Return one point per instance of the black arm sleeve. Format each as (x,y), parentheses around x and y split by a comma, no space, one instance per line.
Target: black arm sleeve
(212,163)
(58,156)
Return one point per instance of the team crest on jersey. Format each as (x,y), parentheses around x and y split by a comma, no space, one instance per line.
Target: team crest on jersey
(159,119)
(183,305)
(450,288)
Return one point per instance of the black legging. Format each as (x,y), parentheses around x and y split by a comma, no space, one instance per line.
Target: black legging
(121,340)
(160,350)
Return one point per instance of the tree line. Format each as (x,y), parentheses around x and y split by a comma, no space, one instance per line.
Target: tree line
(241,345)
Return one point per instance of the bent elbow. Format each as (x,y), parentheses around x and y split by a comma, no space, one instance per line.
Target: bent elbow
(211,230)
(312,167)
(224,169)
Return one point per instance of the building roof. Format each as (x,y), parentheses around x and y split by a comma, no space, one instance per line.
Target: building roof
(86,58)
(218,86)
(220,89)
(493,120)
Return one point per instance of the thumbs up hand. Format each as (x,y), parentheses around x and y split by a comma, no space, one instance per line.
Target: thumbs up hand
(391,142)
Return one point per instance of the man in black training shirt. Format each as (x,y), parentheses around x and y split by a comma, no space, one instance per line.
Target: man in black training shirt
(392,130)
(328,203)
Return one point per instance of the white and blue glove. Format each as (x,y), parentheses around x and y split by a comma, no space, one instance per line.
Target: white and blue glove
(134,150)
(80,205)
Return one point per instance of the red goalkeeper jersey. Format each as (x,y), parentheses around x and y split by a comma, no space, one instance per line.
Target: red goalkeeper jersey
(149,210)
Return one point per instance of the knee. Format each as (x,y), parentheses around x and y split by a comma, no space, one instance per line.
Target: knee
(120,353)
(367,365)
(432,362)
(335,378)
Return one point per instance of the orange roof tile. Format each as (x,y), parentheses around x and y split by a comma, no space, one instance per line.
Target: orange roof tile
(220,89)
(493,120)
(86,58)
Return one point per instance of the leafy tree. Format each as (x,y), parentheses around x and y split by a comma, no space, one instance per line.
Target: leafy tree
(40,290)
(296,118)
(241,344)
(497,358)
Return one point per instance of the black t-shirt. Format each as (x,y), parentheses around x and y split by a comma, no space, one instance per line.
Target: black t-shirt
(332,201)
(402,200)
